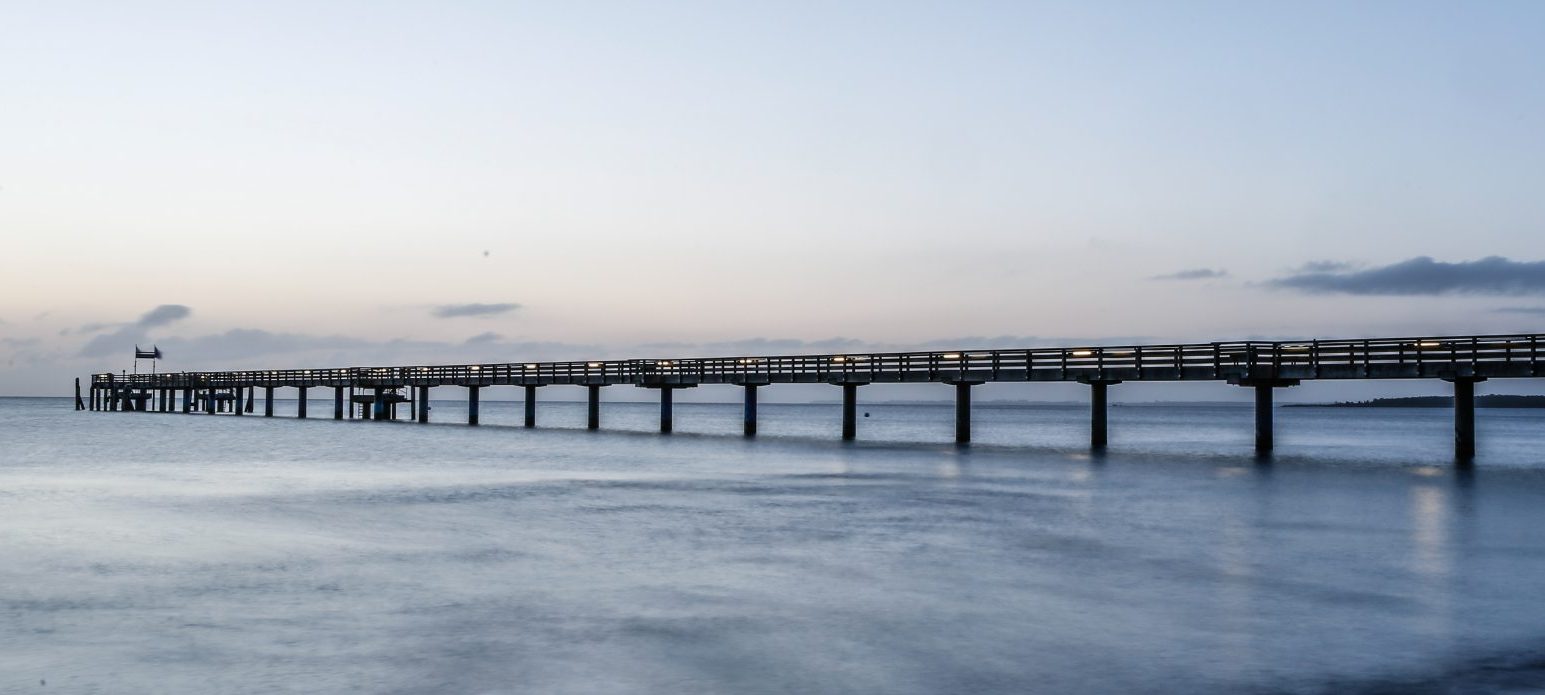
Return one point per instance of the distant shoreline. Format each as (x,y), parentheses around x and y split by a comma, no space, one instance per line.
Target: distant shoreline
(1494,401)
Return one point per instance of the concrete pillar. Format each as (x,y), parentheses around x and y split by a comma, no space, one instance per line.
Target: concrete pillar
(422,413)
(300,404)
(209,401)
(187,400)
(268,401)
(351,402)
(1464,420)
(665,410)
(530,405)
(337,402)
(1263,425)
(593,409)
(472,404)
(750,415)
(379,409)
(849,412)
(251,398)
(1098,433)
(963,413)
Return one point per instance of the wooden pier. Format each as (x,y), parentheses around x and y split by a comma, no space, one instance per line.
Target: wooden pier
(1262,366)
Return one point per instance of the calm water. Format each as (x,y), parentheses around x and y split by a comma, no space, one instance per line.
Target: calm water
(192,554)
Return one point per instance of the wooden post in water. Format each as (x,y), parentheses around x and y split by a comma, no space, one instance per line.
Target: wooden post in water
(665,410)
(300,403)
(963,411)
(531,405)
(750,410)
(1464,419)
(337,402)
(423,405)
(268,401)
(1264,435)
(79,404)
(472,404)
(849,412)
(593,407)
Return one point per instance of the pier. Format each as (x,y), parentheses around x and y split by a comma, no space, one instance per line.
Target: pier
(373,392)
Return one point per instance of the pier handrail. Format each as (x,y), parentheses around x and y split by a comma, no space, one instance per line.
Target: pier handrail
(1309,358)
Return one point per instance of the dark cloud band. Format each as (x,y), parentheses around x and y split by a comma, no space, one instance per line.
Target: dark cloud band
(1493,275)
(451,311)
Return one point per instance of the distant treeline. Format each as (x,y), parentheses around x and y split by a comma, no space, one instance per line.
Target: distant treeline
(1497,401)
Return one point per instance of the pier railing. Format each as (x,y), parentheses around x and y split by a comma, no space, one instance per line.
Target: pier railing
(1382,358)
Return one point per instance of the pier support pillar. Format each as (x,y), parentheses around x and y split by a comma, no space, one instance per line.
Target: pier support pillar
(337,402)
(1264,435)
(422,413)
(251,398)
(300,403)
(1099,409)
(472,404)
(665,410)
(1464,419)
(531,405)
(268,401)
(351,402)
(209,401)
(963,410)
(850,411)
(187,400)
(379,410)
(593,407)
(750,413)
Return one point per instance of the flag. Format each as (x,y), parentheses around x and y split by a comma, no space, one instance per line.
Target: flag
(154,353)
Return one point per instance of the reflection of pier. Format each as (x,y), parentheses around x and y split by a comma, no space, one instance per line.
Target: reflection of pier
(1261,366)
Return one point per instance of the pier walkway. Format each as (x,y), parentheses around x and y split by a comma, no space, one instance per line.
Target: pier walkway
(1262,366)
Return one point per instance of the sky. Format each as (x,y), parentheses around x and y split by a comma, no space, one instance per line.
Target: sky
(289,184)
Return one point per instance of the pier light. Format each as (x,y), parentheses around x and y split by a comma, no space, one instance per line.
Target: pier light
(1429,344)
(665,363)
(530,366)
(1083,353)
(473,368)
(951,355)
(592,364)
(839,358)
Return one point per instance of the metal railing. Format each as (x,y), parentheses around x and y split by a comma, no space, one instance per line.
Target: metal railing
(1308,359)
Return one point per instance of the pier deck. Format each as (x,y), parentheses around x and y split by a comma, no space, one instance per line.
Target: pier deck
(1463,360)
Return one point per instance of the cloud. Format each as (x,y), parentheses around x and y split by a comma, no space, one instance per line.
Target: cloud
(127,335)
(1528,310)
(489,337)
(450,311)
(1194,274)
(1493,275)
(1326,266)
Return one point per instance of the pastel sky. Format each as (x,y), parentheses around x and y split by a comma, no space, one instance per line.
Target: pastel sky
(293,184)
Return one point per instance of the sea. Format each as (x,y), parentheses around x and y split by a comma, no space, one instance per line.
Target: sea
(172,553)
